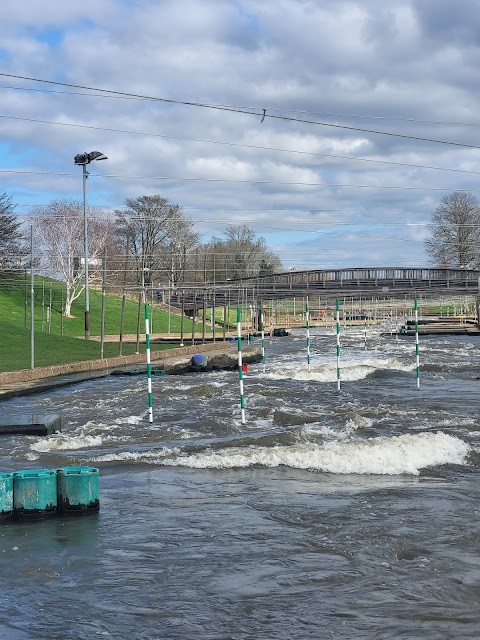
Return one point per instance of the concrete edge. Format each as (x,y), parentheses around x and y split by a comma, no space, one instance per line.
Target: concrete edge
(42,373)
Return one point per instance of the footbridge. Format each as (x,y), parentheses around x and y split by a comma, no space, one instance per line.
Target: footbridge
(351,283)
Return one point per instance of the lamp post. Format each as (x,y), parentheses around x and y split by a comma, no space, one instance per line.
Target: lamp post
(83,159)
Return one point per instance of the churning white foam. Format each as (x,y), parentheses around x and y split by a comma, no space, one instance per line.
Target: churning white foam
(61,442)
(405,454)
(349,369)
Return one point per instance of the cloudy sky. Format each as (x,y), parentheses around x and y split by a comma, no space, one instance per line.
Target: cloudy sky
(322,196)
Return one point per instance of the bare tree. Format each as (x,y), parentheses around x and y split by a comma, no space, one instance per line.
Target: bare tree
(454,239)
(59,229)
(156,235)
(241,254)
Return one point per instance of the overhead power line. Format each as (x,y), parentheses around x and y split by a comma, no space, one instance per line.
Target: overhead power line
(238,144)
(235,181)
(269,108)
(258,112)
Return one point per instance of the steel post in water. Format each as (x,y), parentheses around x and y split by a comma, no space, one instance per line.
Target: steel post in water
(240,363)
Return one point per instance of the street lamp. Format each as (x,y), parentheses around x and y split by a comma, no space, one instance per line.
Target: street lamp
(84,159)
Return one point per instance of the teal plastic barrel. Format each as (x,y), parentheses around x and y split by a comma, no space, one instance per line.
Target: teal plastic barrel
(78,490)
(6,495)
(34,493)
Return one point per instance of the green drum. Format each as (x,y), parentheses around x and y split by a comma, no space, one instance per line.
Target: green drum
(6,495)
(34,493)
(78,490)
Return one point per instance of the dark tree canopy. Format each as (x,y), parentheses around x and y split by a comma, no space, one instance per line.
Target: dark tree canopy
(12,247)
(454,239)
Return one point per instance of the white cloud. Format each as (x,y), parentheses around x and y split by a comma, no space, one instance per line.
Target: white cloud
(333,61)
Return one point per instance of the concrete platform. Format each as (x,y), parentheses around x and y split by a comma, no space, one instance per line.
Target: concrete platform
(31,425)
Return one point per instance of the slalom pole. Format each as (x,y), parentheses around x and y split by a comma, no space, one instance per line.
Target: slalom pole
(337,307)
(240,363)
(365,334)
(307,322)
(262,329)
(417,353)
(149,366)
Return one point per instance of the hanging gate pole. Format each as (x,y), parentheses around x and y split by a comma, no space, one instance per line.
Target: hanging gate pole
(307,319)
(149,366)
(240,363)
(337,307)
(417,352)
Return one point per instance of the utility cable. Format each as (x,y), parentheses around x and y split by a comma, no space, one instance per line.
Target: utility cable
(261,113)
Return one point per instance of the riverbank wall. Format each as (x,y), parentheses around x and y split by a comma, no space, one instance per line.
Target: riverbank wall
(40,379)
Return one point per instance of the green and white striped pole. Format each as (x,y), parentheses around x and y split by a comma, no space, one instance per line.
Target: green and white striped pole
(262,329)
(149,366)
(337,307)
(417,352)
(307,323)
(240,363)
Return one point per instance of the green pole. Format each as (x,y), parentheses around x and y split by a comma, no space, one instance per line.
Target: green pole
(417,352)
(307,320)
(240,363)
(149,366)
(337,307)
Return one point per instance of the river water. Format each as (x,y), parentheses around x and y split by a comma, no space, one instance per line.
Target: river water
(326,515)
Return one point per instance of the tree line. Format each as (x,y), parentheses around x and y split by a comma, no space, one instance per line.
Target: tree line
(150,241)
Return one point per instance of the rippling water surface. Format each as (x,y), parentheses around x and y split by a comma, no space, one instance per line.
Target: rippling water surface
(326,515)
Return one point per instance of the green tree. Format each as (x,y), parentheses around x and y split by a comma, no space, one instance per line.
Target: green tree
(454,239)
(12,245)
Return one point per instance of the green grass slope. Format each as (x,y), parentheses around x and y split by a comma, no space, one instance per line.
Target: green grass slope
(59,340)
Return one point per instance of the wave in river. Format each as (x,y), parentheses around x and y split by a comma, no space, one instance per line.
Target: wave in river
(405,454)
(350,370)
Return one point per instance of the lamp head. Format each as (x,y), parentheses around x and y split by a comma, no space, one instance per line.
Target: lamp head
(86,158)
(96,155)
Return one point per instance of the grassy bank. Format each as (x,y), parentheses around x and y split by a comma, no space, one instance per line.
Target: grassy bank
(59,340)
